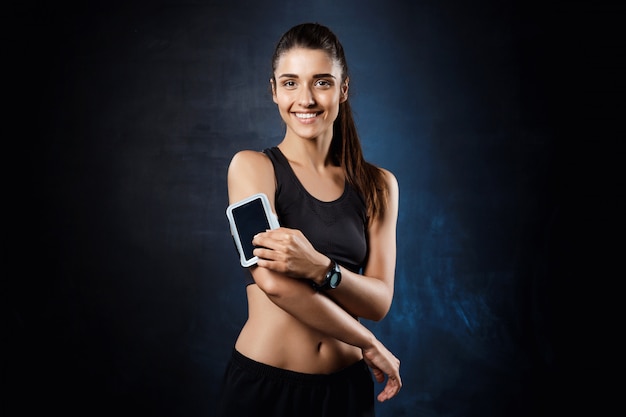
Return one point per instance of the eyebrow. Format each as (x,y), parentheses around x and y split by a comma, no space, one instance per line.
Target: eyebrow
(314,76)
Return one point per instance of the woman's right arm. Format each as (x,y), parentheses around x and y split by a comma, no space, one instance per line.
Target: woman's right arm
(321,313)
(250,173)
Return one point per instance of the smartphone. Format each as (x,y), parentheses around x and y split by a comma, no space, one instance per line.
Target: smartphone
(248,217)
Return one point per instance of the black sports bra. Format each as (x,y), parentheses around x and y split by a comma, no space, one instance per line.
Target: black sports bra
(338,228)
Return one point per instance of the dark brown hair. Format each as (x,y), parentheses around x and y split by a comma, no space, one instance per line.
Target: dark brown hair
(345,148)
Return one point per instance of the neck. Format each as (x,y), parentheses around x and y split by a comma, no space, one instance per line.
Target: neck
(307,152)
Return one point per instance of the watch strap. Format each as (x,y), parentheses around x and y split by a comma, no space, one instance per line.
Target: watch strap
(325,284)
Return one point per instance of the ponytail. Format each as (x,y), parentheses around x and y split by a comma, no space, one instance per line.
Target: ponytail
(367,178)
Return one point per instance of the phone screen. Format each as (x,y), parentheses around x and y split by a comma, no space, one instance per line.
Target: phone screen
(250,220)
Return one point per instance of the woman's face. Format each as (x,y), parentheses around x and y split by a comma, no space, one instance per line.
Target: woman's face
(308,90)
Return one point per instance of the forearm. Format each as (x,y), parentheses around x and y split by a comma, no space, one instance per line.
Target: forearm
(314,309)
(362,296)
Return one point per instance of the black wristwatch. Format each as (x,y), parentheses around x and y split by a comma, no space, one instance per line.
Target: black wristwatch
(332,278)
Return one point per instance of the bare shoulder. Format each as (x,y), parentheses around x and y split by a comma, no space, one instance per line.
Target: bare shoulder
(247,159)
(391,180)
(250,172)
(250,164)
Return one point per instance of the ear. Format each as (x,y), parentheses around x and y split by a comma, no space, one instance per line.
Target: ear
(344,90)
(273,86)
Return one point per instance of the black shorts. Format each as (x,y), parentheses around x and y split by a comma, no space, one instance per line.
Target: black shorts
(252,389)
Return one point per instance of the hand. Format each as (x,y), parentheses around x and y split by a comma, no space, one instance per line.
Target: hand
(289,252)
(383,362)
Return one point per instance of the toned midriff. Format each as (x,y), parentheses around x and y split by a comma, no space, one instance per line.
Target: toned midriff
(274,337)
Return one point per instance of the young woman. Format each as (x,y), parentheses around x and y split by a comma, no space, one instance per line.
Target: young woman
(303,351)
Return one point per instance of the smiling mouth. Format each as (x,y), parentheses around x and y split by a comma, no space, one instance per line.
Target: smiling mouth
(305,116)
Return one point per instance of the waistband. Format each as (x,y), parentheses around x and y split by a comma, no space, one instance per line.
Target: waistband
(262,369)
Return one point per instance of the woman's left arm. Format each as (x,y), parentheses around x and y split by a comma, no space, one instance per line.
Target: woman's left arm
(369,295)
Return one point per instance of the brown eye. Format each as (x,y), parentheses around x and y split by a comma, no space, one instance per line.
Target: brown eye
(323,83)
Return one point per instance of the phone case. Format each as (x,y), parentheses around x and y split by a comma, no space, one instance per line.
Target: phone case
(266,219)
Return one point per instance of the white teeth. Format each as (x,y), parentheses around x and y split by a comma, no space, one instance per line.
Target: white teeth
(305,115)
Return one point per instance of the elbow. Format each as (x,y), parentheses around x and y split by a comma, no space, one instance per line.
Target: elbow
(268,284)
(273,285)
(379,310)
(378,314)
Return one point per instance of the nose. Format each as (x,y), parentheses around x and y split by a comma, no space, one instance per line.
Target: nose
(306,98)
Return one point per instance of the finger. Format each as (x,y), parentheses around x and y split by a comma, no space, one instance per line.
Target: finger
(264,263)
(262,242)
(260,239)
(264,253)
(280,235)
(378,374)
(391,389)
(271,240)
(276,233)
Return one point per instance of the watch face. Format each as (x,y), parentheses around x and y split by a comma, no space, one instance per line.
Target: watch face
(335,279)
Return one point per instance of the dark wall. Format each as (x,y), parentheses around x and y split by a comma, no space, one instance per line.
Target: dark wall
(127,296)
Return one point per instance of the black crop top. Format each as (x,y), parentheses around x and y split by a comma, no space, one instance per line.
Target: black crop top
(335,228)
